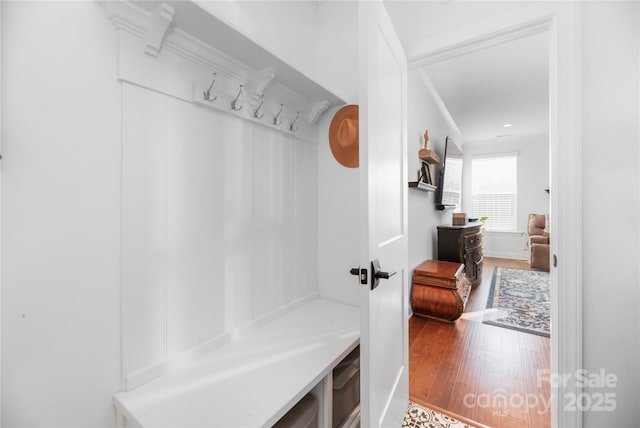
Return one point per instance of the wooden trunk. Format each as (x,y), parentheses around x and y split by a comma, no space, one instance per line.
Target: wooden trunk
(440,290)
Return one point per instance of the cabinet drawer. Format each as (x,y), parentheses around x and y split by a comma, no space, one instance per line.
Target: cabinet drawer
(477,255)
(473,241)
(464,289)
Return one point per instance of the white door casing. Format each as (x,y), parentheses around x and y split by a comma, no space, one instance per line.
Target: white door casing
(383,193)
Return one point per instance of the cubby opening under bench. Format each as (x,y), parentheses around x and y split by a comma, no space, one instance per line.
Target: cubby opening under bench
(255,379)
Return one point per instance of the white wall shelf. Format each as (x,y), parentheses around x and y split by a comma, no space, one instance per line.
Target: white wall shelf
(422,186)
(178,47)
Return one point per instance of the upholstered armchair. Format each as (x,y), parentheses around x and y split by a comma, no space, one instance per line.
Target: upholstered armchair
(538,241)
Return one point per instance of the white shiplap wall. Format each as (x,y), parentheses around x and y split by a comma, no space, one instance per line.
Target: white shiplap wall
(219,220)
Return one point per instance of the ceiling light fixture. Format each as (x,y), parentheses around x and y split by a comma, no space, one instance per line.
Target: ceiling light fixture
(507,125)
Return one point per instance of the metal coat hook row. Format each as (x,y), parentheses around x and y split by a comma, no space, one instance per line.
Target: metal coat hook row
(207,93)
(234,103)
(276,121)
(293,128)
(256,111)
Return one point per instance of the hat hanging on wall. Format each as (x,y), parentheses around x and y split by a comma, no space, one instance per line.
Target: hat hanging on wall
(343,136)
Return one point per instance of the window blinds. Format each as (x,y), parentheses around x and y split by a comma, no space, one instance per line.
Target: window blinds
(494,191)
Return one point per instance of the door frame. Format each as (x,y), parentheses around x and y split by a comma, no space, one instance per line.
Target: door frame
(562,22)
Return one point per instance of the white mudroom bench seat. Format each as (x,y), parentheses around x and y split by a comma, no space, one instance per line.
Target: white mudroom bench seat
(254,380)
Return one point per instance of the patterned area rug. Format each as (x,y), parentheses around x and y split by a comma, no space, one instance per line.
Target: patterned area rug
(423,417)
(524,295)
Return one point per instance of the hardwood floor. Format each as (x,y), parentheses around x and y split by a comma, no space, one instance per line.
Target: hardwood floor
(488,374)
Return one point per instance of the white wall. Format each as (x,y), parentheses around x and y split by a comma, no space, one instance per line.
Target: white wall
(61,215)
(611,214)
(423,216)
(336,48)
(533,179)
(338,223)
(219,225)
(338,186)
(322,42)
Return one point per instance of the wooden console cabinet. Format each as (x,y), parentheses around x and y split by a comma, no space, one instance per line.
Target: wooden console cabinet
(440,290)
(462,244)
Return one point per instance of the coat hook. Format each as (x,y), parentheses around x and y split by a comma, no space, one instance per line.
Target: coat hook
(277,122)
(256,112)
(207,93)
(293,128)
(234,103)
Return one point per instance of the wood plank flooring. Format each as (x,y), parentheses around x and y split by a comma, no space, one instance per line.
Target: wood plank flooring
(488,374)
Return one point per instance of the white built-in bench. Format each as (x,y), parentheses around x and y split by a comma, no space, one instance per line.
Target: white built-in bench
(255,380)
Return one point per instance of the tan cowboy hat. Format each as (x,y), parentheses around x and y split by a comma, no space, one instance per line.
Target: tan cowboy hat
(343,136)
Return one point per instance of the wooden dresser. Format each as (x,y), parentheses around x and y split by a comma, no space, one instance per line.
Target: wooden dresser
(462,244)
(440,290)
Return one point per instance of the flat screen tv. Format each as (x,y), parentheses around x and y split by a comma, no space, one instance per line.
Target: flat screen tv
(450,178)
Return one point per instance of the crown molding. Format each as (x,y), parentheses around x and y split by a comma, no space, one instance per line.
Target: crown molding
(484,41)
(437,99)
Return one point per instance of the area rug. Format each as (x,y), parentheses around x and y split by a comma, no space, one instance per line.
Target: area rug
(423,417)
(525,296)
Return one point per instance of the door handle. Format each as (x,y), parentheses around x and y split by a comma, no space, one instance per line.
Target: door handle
(385,275)
(377,274)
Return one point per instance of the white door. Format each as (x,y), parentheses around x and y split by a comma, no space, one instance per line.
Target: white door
(383,187)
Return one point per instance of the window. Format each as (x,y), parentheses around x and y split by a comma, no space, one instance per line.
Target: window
(495,191)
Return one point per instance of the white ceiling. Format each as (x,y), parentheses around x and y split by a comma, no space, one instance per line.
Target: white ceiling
(486,89)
